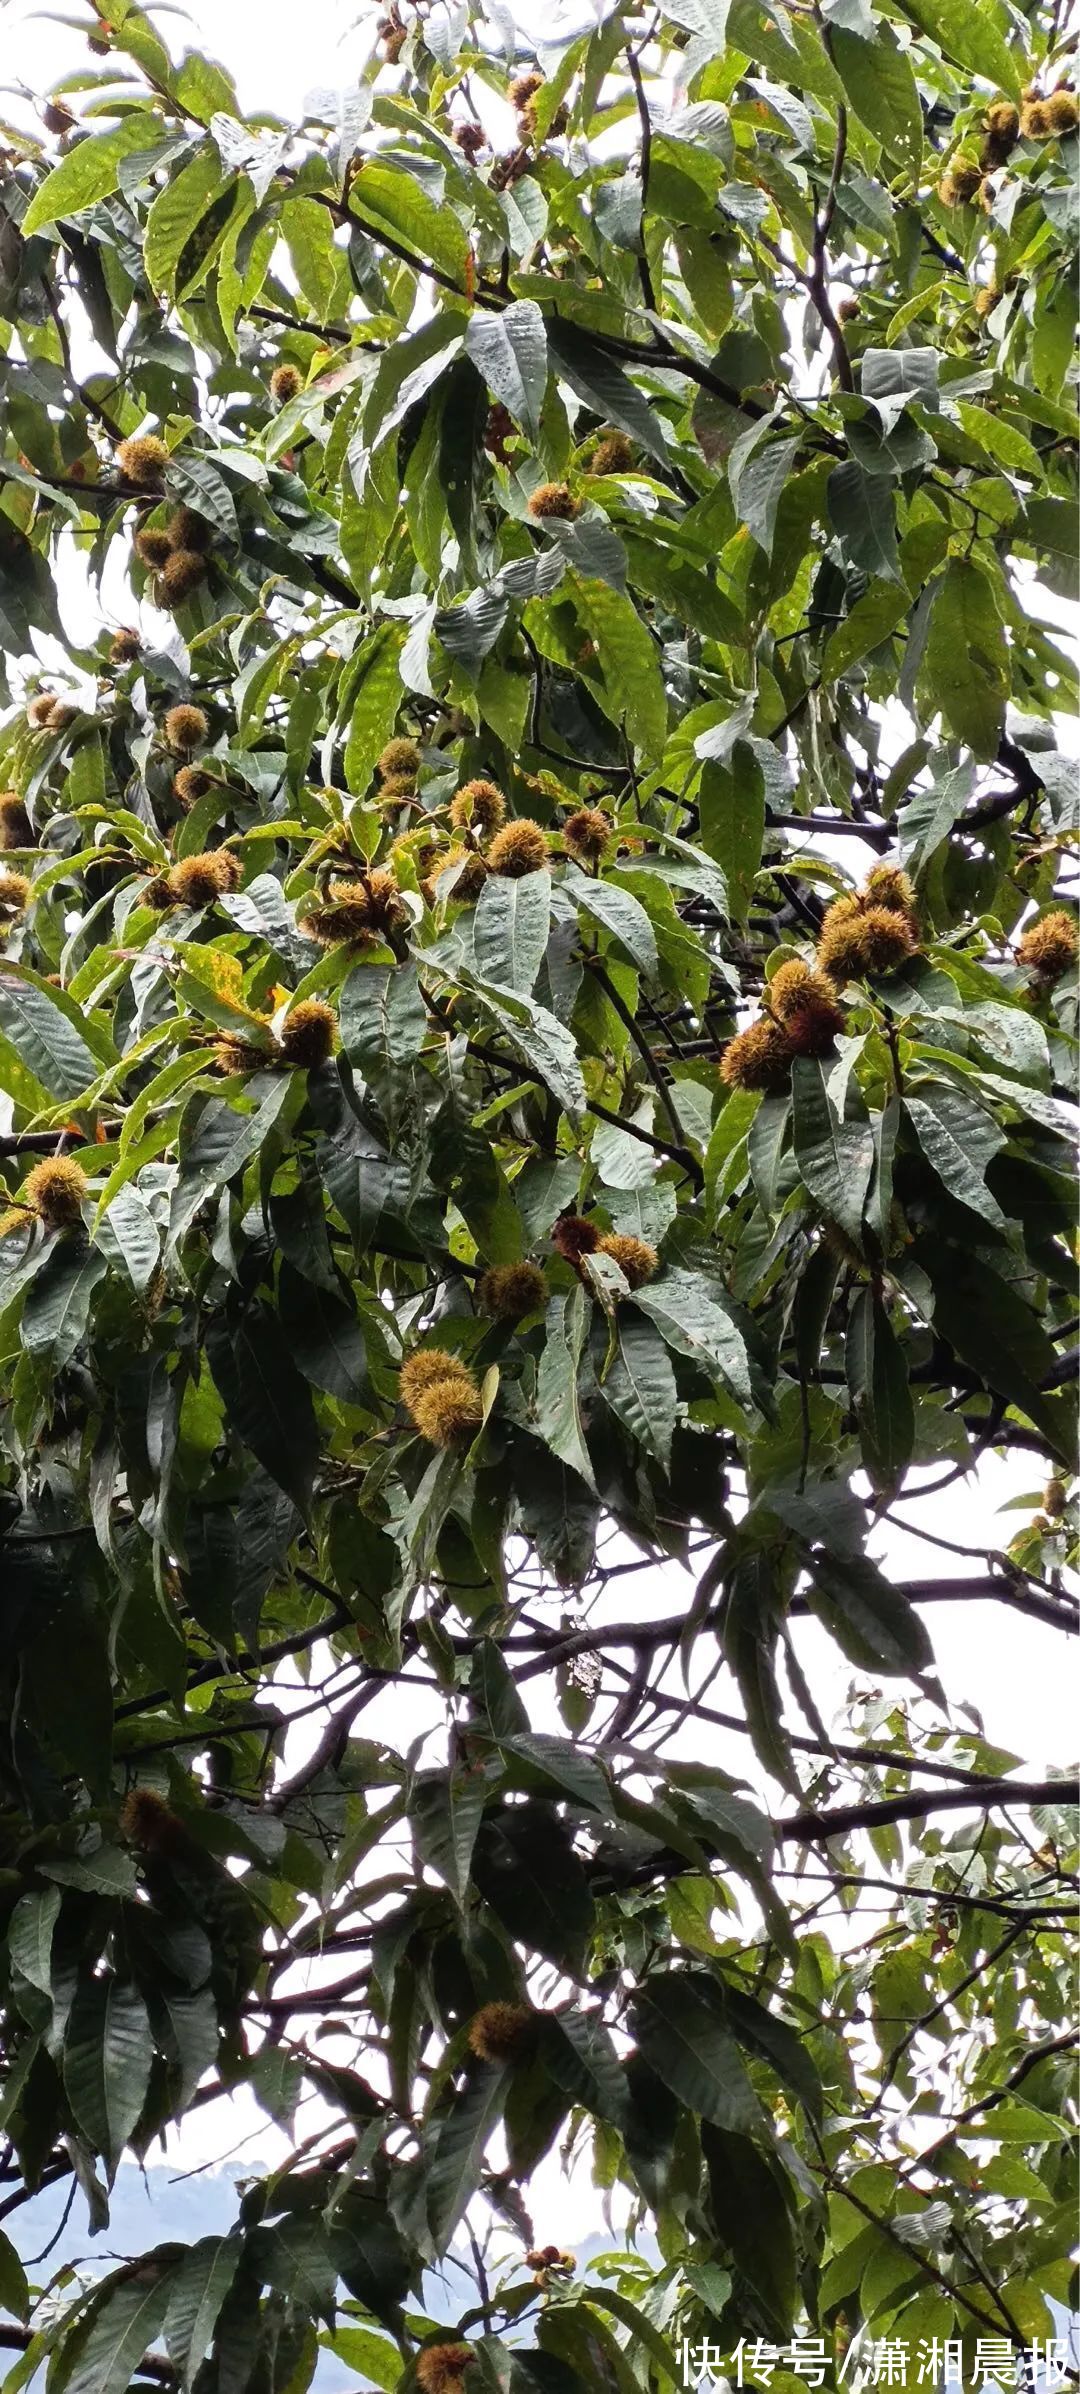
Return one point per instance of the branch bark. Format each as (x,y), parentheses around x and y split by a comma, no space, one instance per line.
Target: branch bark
(153,2366)
(812,1828)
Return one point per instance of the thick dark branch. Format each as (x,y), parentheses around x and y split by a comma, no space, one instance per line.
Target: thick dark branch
(93,406)
(885,2228)
(201,1676)
(153,2365)
(876,835)
(331,1745)
(558,1644)
(889,1757)
(951,1997)
(644,272)
(341,333)
(1065,2043)
(1067,1367)
(1024,1908)
(690,1161)
(35,1142)
(818,283)
(811,1828)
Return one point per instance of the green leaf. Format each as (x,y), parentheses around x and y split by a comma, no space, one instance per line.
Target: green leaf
(127,2317)
(510,929)
(766,1145)
(1002,442)
(1017,2123)
(182,205)
(604,386)
(453,2153)
(581,2056)
(813,1304)
(959,1140)
(992,1329)
(620,914)
(57,1307)
(316,260)
(108,2051)
(88,786)
(408,371)
(757,484)
(971,34)
(558,1412)
(633,689)
(682,589)
(462,460)
(679,2025)
(503,699)
(879,81)
(366,2355)
(369,502)
(445,1812)
(640,1385)
(30,1936)
(194,481)
(929,815)
(226,212)
(642,2332)
(372,695)
(732,801)
(835,1158)
(492,1688)
(266,1400)
(383,1027)
(873,1623)
(510,351)
(324,1338)
(868,623)
(202,88)
(877,1378)
(14,2291)
(388,199)
(369,2253)
(106,1872)
(526,1869)
(129,1235)
(690,1315)
(864,514)
(770,2039)
(186,2028)
(557,1767)
(89,172)
(39,1023)
(215,1144)
(198,2291)
(753,2222)
(965,669)
(542,1042)
(731,1127)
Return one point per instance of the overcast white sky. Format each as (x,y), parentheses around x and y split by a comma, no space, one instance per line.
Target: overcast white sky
(1018,1674)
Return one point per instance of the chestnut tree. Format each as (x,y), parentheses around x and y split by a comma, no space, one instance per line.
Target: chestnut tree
(537,1021)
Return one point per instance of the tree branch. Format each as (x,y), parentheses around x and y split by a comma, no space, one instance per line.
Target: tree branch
(689,1161)
(153,2365)
(644,270)
(812,1828)
(818,285)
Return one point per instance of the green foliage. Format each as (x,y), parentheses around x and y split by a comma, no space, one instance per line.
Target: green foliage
(694,469)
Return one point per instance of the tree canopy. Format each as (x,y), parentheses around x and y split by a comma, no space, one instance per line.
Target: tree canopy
(537,1011)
